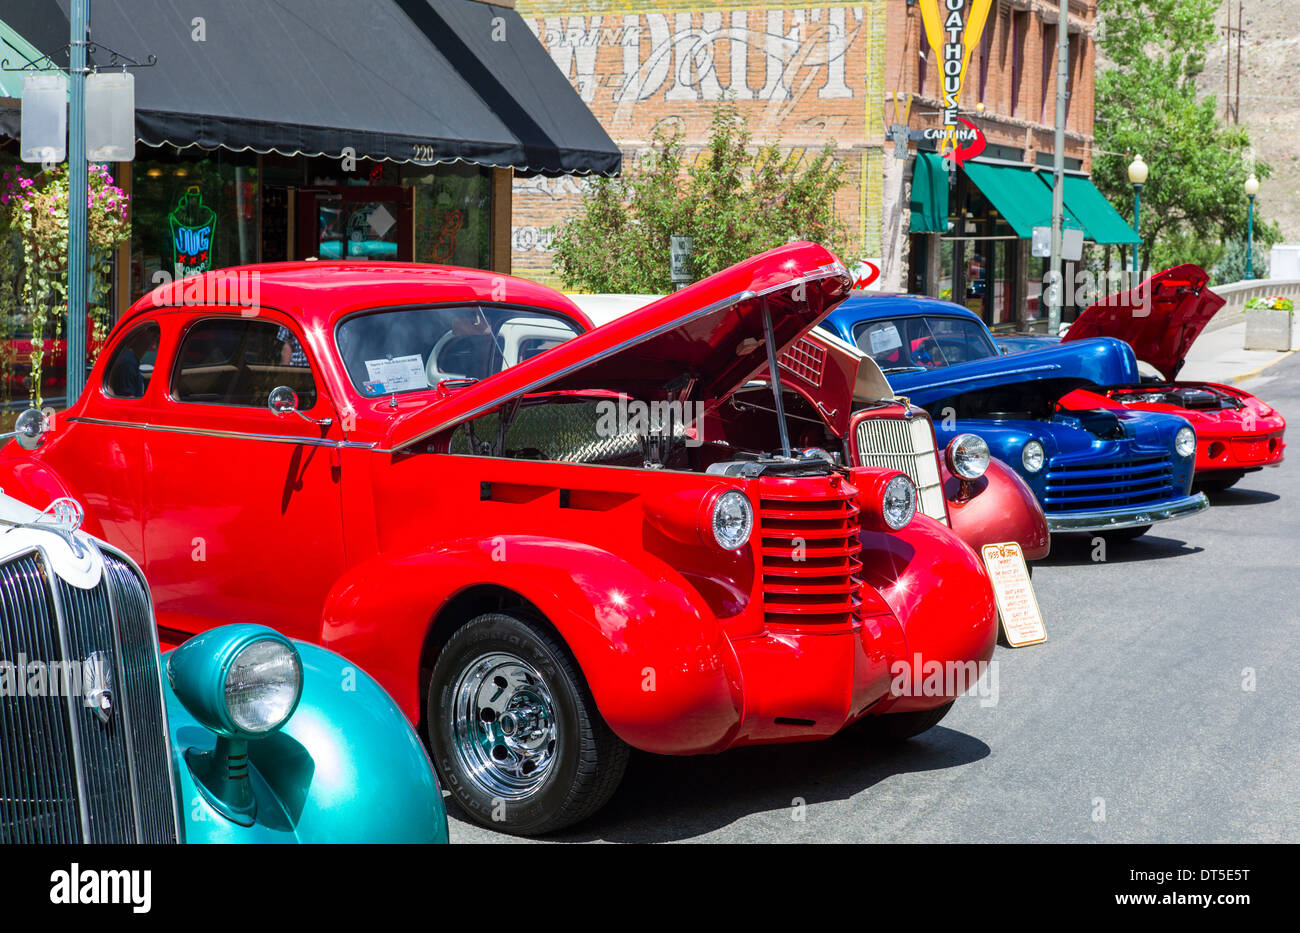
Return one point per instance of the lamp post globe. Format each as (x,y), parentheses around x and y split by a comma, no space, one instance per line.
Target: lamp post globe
(1137,176)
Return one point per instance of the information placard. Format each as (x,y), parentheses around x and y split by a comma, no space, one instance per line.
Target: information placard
(1021,620)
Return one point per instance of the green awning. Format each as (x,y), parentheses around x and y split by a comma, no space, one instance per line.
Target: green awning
(1101,222)
(16,50)
(929,201)
(1018,196)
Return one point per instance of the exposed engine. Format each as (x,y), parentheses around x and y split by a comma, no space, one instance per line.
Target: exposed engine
(1199,398)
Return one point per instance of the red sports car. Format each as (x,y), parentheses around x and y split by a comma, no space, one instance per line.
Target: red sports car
(548,545)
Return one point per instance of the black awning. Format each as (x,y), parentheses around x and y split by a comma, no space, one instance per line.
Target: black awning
(402,80)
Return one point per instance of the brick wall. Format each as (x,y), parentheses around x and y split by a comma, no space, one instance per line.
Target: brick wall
(803,75)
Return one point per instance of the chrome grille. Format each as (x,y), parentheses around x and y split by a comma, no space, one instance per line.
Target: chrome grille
(65,774)
(809,547)
(1109,484)
(906,445)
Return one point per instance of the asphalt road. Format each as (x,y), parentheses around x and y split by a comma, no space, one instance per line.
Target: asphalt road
(1139,708)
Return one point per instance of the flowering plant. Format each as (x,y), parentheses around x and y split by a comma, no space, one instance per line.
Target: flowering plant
(1270,303)
(36,210)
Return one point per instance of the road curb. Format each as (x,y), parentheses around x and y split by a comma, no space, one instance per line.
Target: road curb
(1236,380)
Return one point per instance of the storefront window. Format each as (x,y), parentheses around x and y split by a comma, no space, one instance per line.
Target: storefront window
(453,214)
(191,213)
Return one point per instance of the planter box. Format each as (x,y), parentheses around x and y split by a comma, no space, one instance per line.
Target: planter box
(1267,329)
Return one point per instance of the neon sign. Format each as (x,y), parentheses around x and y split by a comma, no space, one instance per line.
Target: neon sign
(193,229)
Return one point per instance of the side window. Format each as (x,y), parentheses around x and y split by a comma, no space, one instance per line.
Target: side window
(131,367)
(236,361)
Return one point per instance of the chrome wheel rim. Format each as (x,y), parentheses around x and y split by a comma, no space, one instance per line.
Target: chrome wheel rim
(504,732)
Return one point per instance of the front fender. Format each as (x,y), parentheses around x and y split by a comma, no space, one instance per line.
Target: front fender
(34,483)
(662,671)
(997,508)
(346,767)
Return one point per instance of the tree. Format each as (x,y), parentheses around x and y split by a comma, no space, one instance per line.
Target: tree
(1146,104)
(732,201)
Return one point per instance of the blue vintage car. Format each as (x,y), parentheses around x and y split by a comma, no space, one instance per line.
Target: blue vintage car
(239,735)
(1108,470)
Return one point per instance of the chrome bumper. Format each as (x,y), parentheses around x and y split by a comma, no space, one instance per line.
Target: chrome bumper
(1130,517)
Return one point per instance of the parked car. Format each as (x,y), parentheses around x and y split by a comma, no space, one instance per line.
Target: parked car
(830,382)
(1236,433)
(1106,469)
(249,737)
(544,563)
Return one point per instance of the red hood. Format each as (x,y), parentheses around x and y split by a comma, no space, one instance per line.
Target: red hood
(1160,319)
(698,344)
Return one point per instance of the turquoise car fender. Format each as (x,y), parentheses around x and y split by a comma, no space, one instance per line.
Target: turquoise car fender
(346,767)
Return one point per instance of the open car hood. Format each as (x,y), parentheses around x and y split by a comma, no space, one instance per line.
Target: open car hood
(695,345)
(1160,319)
(1056,370)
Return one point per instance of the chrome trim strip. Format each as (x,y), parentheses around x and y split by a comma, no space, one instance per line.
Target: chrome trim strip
(822,273)
(128,716)
(1131,517)
(234,435)
(78,760)
(162,695)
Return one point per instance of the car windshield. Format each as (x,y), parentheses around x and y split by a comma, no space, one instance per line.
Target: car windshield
(919,343)
(409,349)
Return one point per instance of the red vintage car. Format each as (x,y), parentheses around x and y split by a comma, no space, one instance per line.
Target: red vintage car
(549,546)
(1236,433)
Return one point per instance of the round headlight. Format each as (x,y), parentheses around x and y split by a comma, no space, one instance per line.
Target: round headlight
(262,685)
(1032,456)
(732,520)
(968,456)
(1185,442)
(898,503)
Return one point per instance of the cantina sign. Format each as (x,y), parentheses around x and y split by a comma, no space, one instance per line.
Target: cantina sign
(953,28)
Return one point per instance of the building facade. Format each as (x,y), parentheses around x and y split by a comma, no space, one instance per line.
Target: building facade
(847,73)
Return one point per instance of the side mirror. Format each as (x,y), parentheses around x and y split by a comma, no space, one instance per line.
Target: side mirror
(282,400)
(29,428)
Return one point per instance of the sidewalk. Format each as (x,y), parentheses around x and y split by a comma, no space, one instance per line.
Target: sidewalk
(1217,356)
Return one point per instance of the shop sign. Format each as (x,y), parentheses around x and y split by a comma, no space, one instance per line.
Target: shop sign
(193,230)
(953,28)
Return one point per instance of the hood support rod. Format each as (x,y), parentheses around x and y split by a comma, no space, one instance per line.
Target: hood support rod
(775,376)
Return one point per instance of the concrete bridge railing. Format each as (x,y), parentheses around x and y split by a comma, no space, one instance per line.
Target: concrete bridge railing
(1238,293)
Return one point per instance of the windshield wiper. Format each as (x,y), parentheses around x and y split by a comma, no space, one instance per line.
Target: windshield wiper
(904,369)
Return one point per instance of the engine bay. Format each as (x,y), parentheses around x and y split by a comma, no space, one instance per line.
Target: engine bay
(1192,397)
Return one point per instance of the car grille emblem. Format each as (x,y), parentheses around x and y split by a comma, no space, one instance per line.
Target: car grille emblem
(98,684)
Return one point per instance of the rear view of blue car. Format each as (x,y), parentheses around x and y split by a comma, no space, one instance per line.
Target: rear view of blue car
(1105,469)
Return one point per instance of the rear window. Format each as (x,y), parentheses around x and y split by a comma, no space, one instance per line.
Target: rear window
(236,361)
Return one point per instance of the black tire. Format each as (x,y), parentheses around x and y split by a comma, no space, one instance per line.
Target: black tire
(1125,535)
(899,727)
(573,780)
(1219,483)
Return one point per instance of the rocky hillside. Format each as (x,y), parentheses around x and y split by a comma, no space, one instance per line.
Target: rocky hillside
(1270,98)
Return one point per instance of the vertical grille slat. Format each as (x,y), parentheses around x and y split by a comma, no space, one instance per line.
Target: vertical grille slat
(58,760)
(906,445)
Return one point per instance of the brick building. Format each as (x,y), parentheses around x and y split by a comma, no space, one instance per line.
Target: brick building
(846,72)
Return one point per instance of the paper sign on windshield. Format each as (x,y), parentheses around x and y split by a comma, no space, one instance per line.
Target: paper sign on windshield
(396,375)
(884,339)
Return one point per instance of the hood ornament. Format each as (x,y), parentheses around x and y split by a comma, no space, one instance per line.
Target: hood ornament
(62,517)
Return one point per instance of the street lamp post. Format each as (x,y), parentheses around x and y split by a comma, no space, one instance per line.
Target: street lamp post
(1137,176)
(1252,189)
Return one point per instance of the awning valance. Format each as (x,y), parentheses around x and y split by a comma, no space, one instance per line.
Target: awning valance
(929,201)
(1018,196)
(1101,222)
(423,81)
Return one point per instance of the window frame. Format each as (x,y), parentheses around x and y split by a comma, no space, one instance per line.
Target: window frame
(118,346)
(187,328)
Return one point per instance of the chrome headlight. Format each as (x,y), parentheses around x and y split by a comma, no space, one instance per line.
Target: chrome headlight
(968,456)
(1032,456)
(898,503)
(732,520)
(1185,442)
(262,685)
